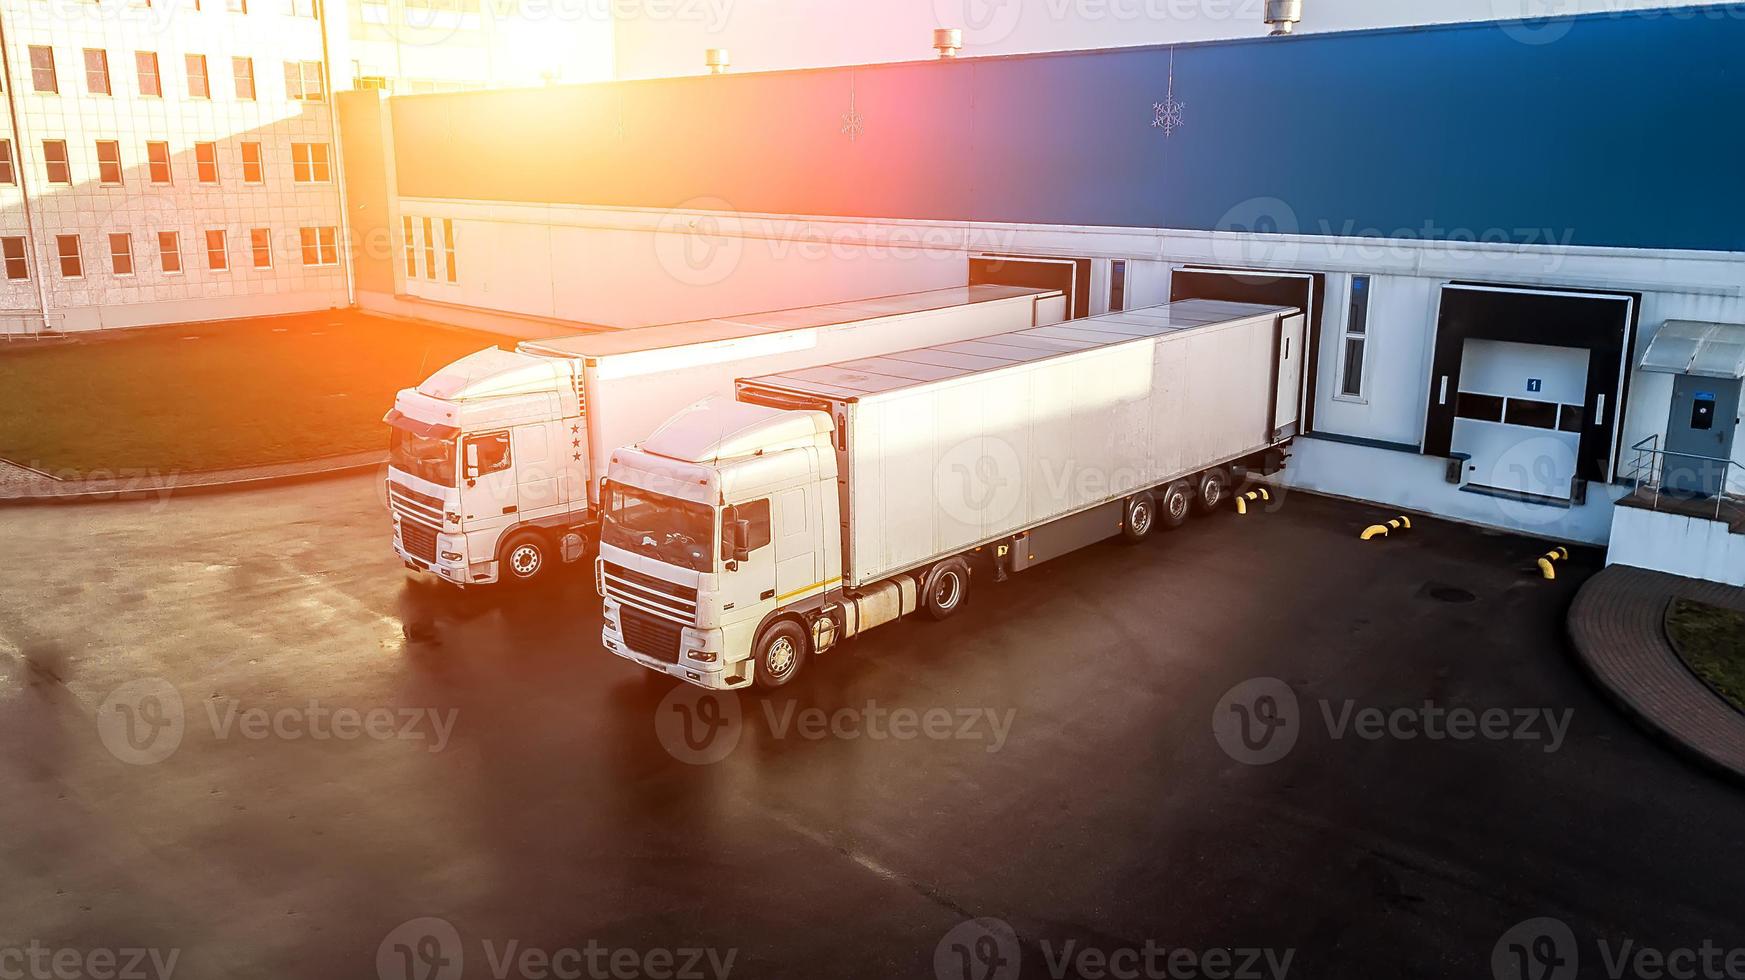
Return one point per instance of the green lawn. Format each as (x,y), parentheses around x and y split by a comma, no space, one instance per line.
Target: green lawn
(217,395)
(1712,642)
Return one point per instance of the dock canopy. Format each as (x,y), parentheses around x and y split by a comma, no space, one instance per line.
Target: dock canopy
(1699,348)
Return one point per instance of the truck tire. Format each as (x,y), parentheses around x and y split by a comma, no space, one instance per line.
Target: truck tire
(1177,504)
(1139,518)
(945,587)
(1214,489)
(781,652)
(525,557)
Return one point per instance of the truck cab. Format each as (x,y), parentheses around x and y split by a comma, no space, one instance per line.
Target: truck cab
(487,472)
(722,520)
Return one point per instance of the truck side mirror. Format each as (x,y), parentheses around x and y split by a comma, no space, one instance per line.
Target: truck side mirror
(472,461)
(741,535)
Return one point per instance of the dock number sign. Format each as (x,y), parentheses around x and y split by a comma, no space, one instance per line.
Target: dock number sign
(1535,384)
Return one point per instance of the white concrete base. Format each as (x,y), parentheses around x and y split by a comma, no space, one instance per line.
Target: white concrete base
(1689,546)
(81,318)
(1415,483)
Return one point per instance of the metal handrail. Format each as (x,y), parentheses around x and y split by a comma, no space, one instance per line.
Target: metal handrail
(1648,470)
(27,323)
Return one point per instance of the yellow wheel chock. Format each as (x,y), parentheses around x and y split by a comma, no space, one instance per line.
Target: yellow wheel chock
(1400,523)
(1546,568)
(1242,499)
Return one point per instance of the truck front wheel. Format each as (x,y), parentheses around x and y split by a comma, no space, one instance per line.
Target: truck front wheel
(525,556)
(945,587)
(781,652)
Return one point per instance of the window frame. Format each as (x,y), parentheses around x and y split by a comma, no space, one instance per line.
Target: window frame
(507,461)
(450,259)
(223,250)
(1362,336)
(115,256)
(259,162)
(8,172)
(309,166)
(189,62)
(53,70)
(101,70)
(246,64)
(408,234)
(152,163)
(310,237)
(203,149)
(142,60)
(260,240)
(429,248)
(77,256)
(49,162)
(1118,285)
(103,165)
(22,258)
(175,249)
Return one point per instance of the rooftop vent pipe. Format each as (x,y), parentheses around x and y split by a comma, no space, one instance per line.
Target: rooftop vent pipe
(1283,15)
(948,41)
(717,60)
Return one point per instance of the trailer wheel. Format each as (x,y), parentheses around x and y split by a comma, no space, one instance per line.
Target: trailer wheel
(1140,517)
(781,652)
(945,588)
(1178,503)
(524,557)
(1214,488)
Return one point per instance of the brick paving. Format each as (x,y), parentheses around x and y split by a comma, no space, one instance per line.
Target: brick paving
(22,486)
(1618,626)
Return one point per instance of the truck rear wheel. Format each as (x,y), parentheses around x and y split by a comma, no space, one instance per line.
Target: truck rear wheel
(945,587)
(525,557)
(1139,518)
(1214,488)
(781,652)
(1178,503)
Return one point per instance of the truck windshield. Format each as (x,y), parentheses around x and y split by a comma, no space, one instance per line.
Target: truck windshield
(423,457)
(676,531)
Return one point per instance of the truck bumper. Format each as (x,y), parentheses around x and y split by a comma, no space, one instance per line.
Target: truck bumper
(714,676)
(455,572)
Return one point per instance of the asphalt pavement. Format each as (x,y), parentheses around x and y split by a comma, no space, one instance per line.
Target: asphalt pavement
(236,736)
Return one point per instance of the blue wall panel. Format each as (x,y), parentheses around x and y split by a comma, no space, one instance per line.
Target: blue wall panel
(1625,131)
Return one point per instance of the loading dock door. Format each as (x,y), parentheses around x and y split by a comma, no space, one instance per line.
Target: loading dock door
(1518,416)
(1303,290)
(1069,275)
(1597,326)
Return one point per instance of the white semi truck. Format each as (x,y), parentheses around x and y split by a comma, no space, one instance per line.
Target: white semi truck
(745,536)
(496,460)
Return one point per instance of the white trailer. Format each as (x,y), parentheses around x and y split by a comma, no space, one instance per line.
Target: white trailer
(496,459)
(743,537)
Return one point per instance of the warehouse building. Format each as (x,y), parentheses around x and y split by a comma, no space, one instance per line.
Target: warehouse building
(1488,232)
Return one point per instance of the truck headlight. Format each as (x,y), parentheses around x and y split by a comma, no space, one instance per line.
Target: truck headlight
(702,656)
(452,556)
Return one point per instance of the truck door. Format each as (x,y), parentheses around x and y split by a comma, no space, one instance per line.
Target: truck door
(754,581)
(798,565)
(489,497)
(1290,377)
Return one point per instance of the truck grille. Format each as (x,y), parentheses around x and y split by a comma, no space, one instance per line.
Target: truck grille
(649,634)
(419,539)
(408,502)
(675,602)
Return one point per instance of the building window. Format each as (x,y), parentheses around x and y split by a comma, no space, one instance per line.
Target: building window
(157,155)
(260,245)
(42,69)
(309,163)
(7,174)
(448,247)
(1356,339)
(320,245)
(67,250)
(151,82)
(1117,285)
(54,157)
(411,246)
(170,251)
(303,8)
(217,254)
(121,253)
(206,162)
(429,251)
(303,81)
(97,71)
(253,170)
(109,162)
(199,85)
(17,266)
(243,69)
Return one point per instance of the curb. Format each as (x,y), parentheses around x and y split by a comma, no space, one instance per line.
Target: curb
(231,481)
(1578,627)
